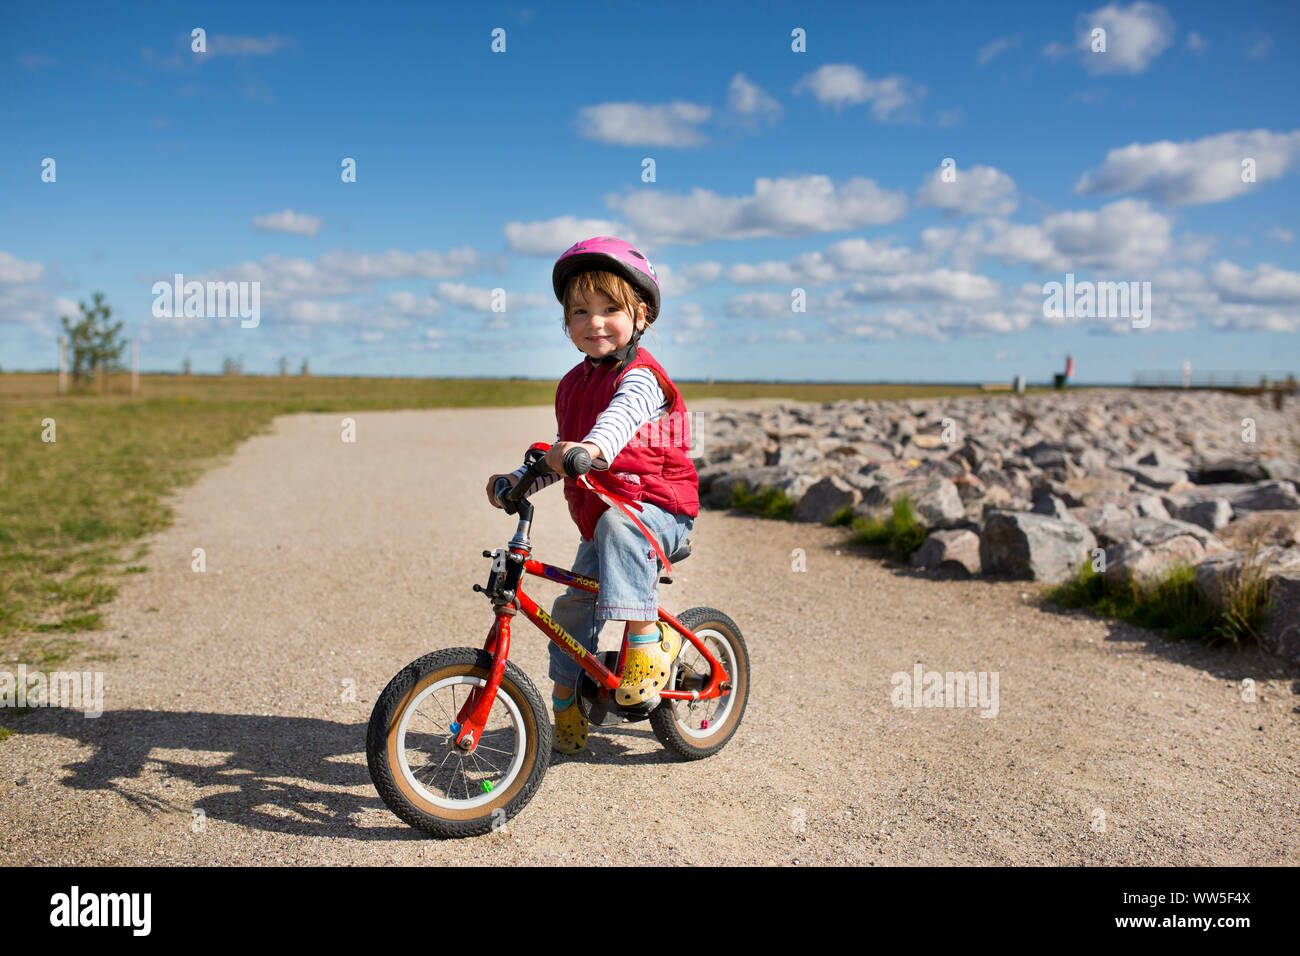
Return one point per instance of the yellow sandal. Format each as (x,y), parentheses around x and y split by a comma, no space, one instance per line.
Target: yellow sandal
(570,734)
(647,666)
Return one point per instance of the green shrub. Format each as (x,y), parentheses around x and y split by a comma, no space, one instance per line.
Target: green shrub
(842,517)
(1173,605)
(766,502)
(901,531)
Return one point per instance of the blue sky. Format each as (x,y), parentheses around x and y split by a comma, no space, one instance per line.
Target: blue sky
(775,170)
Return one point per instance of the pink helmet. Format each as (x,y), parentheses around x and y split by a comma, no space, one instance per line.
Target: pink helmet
(609,255)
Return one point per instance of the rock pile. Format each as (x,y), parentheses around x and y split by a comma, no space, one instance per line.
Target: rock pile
(1033,486)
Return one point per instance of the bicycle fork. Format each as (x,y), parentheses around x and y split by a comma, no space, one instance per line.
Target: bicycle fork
(473,714)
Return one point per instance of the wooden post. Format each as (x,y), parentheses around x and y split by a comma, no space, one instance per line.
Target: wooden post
(135,366)
(63,364)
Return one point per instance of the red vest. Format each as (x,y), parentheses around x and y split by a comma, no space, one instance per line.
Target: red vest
(654,466)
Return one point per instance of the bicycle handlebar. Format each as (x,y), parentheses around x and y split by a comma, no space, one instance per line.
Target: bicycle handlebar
(576,462)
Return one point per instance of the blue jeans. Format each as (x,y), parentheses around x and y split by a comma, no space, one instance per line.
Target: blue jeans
(626,565)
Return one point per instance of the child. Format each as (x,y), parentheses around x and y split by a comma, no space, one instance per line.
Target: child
(610,295)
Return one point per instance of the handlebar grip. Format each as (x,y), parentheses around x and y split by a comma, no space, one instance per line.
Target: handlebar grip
(576,462)
(501,486)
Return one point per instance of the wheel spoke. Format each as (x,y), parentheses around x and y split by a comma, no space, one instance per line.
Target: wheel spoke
(491,766)
(442,708)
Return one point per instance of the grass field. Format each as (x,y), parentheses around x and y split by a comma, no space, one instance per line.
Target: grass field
(74,510)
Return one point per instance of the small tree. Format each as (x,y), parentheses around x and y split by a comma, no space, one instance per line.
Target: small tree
(185,366)
(305,370)
(96,345)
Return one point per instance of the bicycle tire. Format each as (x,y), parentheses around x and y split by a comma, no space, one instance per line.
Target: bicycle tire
(672,720)
(398,785)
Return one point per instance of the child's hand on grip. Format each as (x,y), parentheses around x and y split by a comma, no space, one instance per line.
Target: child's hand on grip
(492,481)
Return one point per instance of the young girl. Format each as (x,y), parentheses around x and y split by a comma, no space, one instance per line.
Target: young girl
(610,295)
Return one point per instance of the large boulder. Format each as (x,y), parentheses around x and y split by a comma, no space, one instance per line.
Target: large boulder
(1281,631)
(1051,506)
(1219,573)
(1032,546)
(1275,495)
(793,483)
(1280,528)
(1146,565)
(1152,531)
(825,498)
(956,551)
(1211,514)
(1150,506)
(1229,471)
(935,500)
(1155,476)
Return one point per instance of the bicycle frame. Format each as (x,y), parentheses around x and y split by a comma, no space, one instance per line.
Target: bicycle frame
(508,598)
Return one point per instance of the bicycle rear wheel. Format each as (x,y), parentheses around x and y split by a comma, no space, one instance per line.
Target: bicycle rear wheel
(696,729)
(414,762)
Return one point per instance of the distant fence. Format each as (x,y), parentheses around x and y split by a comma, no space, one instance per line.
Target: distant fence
(1165,378)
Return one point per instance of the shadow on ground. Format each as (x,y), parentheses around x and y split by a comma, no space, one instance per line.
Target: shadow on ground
(287,772)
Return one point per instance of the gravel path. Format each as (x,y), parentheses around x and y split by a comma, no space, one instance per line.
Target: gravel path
(330,563)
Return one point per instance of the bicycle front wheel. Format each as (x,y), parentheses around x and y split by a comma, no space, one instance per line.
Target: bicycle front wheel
(424,777)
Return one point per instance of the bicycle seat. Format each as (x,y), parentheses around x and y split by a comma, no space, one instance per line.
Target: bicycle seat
(683,551)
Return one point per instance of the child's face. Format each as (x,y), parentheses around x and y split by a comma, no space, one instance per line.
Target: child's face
(598,326)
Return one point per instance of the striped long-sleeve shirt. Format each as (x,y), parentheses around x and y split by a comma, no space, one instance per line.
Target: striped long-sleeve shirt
(638,400)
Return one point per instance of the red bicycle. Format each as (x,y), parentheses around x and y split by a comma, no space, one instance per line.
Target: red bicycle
(460,739)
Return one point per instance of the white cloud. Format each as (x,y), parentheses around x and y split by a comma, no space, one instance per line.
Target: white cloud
(13,269)
(1124,234)
(1135,35)
(778,207)
(1259,49)
(1121,234)
(843,84)
(690,327)
(397,264)
(550,237)
(673,283)
(995,48)
(1195,42)
(36,61)
(312,312)
(636,124)
(481,299)
(221,44)
(747,99)
(935,285)
(1264,284)
(850,258)
(1193,171)
(300,224)
(979,190)
(1281,234)
(407,303)
(344,273)
(761,305)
